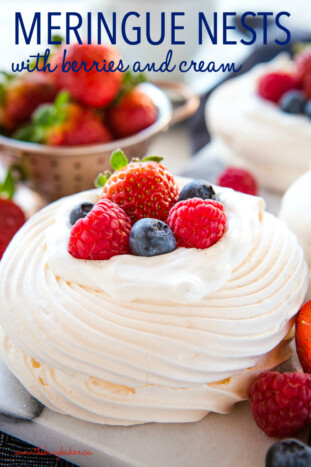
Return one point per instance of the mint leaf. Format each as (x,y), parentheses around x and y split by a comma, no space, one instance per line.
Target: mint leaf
(152,159)
(118,160)
(7,188)
(100,180)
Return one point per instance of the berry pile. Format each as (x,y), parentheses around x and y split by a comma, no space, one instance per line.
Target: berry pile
(290,91)
(142,212)
(75,107)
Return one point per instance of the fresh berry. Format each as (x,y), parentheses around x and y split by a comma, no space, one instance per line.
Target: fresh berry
(80,211)
(303,336)
(239,180)
(197,223)
(19,98)
(142,189)
(133,113)
(11,220)
(273,85)
(303,63)
(281,403)
(197,189)
(151,237)
(293,102)
(93,88)
(64,124)
(289,453)
(307,109)
(103,233)
(306,87)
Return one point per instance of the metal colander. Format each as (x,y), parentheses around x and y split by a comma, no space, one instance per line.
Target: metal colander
(55,172)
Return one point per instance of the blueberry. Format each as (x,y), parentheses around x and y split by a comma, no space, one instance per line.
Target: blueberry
(80,211)
(151,237)
(307,109)
(293,102)
(197,189)
(289,453)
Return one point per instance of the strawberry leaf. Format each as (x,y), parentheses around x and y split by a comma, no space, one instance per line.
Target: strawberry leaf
(62,98)
(118,160)
(44,116)
(100,180)
(7,187)
(31,134)
(57,38)
(152,159)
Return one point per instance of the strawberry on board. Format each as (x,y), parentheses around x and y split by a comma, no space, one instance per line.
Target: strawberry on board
(92,88)
(11,215)
(142,188)
(303,336)
(64,123)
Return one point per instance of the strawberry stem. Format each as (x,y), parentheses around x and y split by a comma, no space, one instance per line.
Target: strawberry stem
(152,159)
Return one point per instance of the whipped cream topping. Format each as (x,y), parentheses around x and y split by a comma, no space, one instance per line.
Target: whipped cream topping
(274,144)
(296,213)
(107,359)
(184,276)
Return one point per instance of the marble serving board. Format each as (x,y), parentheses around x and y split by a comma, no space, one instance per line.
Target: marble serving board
(231,440)
(223,440)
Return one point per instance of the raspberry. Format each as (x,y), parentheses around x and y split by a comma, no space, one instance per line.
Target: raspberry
(273,85)
(239,180)
(303,336)
(103,233)
(281,403)
(197,223)
(142,189)
(11,220)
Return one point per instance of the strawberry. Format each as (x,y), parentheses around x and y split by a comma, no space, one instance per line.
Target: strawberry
(303,63)
(11,215)
(134,112)
(64,124)
(142,188)
(303,336)
(20,97)
(92,88)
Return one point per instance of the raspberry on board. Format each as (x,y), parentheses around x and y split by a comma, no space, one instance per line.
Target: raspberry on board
(197,223)
(103,233)
(281,403)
